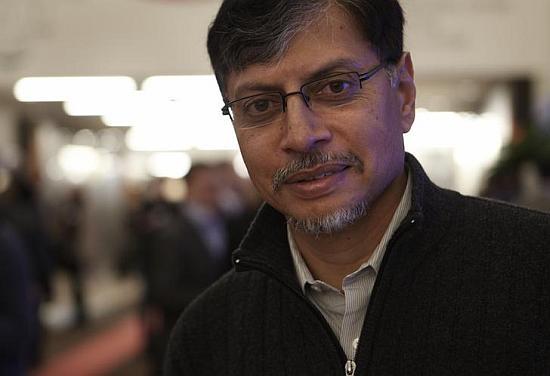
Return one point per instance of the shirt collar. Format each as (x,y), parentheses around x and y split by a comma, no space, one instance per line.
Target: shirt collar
(304,274)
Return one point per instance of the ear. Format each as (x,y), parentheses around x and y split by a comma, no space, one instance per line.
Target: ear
(406,91)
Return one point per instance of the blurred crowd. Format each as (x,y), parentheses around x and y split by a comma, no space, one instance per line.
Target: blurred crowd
(182,247)
(179,238)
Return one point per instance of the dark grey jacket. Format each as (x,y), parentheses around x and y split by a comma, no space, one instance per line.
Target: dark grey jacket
(464,289)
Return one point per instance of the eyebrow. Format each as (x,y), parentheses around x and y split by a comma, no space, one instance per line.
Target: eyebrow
(323,71)
(332,67)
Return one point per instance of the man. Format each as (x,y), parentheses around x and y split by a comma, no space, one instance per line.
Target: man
(187,251)
(357,264)
(15,303)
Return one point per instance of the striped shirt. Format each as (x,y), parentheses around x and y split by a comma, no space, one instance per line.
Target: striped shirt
(345,310)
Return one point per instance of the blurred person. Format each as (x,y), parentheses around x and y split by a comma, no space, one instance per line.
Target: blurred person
(68,243)
(15,303)
(23,212)
(148,211)
(148,220)
(238,201)
(230,199)
(186,253)
(357,264)
(521,175)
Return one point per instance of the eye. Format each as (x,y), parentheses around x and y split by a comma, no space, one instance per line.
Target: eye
(337,86)
(259,105)
(262,104)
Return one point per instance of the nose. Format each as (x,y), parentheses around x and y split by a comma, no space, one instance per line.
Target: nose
(301,129)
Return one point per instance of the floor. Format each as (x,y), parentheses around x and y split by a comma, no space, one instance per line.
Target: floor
(112,340)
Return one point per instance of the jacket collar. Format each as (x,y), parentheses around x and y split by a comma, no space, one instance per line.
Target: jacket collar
(266,243)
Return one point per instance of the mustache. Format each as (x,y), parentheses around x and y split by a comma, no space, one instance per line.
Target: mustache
(310,160)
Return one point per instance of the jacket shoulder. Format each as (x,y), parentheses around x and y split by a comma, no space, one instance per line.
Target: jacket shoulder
(493,229)
(503,215)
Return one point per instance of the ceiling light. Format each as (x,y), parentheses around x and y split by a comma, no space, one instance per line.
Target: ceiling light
(169,165)
(60,89)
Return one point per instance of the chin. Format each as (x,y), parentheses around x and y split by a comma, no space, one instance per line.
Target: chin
(330,223)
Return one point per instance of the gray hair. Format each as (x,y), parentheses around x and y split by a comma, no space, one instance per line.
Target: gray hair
(257,37)
(330,223)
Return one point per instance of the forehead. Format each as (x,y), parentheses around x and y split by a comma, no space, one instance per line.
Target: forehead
(333,40)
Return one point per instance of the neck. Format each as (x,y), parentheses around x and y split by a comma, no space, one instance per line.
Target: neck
(331,257)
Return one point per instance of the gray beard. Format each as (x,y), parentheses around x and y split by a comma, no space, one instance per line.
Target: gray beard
(330,223)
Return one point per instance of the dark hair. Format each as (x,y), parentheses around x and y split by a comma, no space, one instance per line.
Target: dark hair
(195,169)
(247,32)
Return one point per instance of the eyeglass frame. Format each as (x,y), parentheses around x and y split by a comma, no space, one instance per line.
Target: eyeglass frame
(362,77)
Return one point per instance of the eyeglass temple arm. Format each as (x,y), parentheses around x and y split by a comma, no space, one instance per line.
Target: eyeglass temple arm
(365,76)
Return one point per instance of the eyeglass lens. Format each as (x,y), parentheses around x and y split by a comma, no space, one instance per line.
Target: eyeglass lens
(322,96)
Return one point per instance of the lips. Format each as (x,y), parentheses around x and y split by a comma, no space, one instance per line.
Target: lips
(317,182)
(315,174)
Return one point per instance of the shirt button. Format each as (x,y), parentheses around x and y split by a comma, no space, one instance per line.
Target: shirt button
(355,343)
(316,288)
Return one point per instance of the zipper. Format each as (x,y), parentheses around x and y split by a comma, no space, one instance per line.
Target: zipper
(409,221)
(349,364)
(350,368)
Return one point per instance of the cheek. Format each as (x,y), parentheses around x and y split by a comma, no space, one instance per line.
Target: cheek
(364,131)
(250,146)
(374,136)
(258,158)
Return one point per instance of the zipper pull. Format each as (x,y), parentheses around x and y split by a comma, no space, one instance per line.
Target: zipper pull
(350,368)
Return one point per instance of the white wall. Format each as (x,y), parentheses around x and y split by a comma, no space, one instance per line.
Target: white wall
(480,38)
(479,35)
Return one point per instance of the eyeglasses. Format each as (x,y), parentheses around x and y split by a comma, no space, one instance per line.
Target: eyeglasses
(321,96)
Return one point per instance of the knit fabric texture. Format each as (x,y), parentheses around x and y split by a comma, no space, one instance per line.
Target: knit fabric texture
(463,289)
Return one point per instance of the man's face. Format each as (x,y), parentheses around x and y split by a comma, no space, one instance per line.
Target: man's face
(364,137)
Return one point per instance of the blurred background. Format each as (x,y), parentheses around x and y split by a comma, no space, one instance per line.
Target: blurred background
(115,159)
